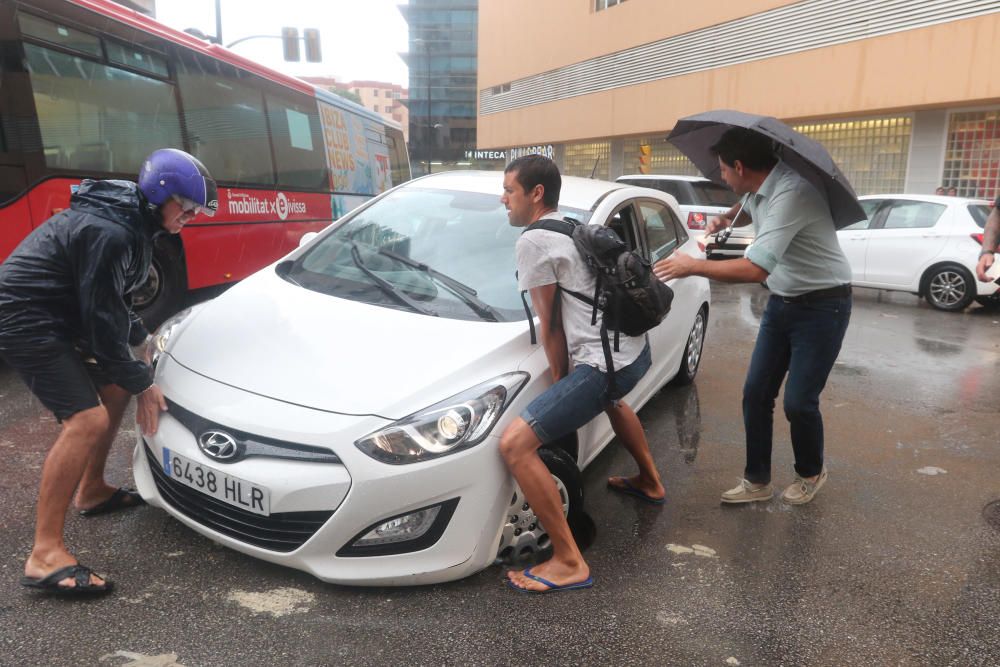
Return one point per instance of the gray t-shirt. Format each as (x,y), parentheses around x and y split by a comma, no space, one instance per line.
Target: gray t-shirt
(544,258)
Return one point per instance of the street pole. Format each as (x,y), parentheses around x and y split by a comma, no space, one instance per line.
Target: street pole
(218,22)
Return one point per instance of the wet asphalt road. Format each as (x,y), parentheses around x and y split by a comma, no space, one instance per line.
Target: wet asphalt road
(889,565)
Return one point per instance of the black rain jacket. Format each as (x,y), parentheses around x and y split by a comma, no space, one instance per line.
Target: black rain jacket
(70,280)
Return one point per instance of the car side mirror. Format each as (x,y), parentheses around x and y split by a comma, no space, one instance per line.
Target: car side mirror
(307,237)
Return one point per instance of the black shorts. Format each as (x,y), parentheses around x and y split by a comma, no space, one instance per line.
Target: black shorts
(59,374)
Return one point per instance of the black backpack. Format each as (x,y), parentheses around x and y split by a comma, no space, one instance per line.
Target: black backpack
(630,297)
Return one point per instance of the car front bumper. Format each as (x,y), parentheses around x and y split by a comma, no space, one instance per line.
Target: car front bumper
(317,509)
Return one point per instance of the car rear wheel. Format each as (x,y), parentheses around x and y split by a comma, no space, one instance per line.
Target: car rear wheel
(692,351)
(523,535)
(949,288)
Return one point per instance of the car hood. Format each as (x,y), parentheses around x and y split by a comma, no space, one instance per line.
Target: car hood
(285,342)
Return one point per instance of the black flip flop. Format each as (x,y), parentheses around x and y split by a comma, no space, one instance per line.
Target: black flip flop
(79,573)
(121,499)
(630,490)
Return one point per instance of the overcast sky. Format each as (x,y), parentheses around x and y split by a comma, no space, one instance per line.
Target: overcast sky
(360,39)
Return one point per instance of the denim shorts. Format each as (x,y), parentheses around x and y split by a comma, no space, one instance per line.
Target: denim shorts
(579,397)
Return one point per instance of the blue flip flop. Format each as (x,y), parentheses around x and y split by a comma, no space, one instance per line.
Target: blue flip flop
(630,490)
(552,588)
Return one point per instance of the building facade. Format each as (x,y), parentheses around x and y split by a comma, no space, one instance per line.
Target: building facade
(442,98)
(905,95)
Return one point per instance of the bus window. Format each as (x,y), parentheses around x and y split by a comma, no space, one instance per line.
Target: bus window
(225,123)
(61,35)
(398,161)
(96,118)
(297,138)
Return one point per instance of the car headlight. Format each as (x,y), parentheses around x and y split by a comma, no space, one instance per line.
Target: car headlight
(161,337)
(454,424)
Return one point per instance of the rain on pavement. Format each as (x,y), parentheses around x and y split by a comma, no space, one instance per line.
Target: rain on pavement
(893,563)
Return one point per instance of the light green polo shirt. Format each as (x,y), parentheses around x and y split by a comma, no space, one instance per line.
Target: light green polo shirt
(795,240)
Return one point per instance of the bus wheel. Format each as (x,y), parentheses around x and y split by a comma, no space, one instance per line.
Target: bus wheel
(159,297)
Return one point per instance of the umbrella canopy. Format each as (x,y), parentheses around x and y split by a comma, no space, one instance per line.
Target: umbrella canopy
(694,136)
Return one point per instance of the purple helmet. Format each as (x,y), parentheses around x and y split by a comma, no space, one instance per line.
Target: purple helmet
(168,171)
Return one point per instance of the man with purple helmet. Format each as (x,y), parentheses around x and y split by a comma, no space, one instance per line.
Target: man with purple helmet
(67,328)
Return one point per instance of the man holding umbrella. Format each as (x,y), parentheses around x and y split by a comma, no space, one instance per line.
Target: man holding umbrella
(795,255)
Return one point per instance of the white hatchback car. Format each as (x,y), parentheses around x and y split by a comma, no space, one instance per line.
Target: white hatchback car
(925,244)
(339,412)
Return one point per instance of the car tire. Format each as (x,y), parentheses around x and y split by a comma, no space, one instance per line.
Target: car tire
(949,287)
(691,360)
(159,297)
(523,536)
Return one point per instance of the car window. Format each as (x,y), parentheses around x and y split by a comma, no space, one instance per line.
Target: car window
(661,232)
(623,222)
(675,188)
(913,215)
(869,206)
(979,213)
(465,236)
(707,193)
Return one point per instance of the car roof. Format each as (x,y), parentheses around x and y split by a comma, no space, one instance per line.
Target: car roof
(934,199)
(664,177)
(581,193)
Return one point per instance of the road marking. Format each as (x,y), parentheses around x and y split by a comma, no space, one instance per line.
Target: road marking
(140,660)
(696,549)
(932,470)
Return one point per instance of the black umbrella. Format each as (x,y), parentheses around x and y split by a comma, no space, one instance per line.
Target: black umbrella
(694,136)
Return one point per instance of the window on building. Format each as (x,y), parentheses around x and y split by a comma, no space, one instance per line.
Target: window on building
(375,92)
(375,107)
(586,159)
(663,158)
(972,156)
(871,152)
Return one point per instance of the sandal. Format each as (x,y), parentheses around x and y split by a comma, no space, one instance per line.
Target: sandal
(121,499)
(79,573)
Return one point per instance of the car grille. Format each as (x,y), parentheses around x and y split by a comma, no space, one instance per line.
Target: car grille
(282,531)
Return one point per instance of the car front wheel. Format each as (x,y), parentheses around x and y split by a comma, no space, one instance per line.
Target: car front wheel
(523,534)
(692,350)
(949,288)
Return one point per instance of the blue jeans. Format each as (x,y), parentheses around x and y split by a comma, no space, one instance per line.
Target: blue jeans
(801,340)
(576,399)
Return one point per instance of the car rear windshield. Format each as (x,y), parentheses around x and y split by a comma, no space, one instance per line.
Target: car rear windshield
(386,249)
(979,213)
(711,194)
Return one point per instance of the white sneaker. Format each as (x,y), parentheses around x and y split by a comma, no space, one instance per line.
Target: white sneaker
(802,490)
(748,492)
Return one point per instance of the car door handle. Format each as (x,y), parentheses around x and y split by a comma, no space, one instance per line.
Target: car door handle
(932,236)
(855,238)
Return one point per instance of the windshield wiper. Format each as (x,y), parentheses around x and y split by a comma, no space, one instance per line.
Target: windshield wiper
(467,294)
(386,286)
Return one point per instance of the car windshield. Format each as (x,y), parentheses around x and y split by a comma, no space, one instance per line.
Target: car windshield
(439,252)
(979,213)
(712,194)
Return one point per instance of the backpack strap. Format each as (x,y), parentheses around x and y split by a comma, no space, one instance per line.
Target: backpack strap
(551,224)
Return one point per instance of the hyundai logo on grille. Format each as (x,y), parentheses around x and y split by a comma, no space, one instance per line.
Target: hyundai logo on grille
(218,445)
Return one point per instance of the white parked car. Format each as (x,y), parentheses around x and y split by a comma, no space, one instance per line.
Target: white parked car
(699,199)
(339,412)
(925,244)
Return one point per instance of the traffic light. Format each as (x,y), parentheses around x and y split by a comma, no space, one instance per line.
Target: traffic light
(290,42)
(645,157)
(311,36)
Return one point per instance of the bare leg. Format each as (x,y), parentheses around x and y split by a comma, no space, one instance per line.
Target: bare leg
(628,428)
(519,447)
(93,490)
(61,473)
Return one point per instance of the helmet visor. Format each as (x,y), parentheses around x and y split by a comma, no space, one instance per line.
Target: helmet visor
(192,208)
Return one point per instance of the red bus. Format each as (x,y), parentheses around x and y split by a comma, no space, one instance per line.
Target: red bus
(88,88)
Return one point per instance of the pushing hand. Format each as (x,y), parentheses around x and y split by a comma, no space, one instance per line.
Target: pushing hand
(985,262)
(149,405)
